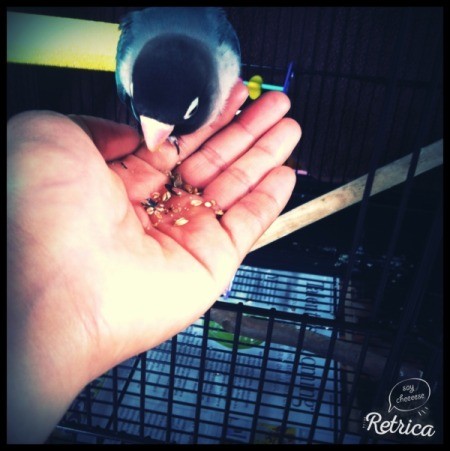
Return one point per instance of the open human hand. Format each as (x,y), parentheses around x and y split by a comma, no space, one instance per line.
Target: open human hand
(93,278)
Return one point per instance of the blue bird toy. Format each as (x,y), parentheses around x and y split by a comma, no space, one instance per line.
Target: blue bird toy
(175,67)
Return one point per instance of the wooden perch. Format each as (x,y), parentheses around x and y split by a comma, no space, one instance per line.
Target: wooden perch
(386,177)
(345,352)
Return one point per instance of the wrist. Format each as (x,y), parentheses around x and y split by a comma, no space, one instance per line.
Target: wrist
(51,350)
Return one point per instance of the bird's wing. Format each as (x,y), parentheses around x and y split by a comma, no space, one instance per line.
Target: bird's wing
(226,33)
(228,56)
(125,57)
(137,28)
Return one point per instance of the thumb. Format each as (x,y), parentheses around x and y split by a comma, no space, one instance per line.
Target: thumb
(112,139)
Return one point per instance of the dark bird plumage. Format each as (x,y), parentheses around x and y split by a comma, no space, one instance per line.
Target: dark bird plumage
(175,68)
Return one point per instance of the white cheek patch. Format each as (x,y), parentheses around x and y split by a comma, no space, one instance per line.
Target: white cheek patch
(131,89)
(191,109)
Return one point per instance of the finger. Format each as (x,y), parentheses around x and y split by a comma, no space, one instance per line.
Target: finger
(270,151)
(112,139)
(139,178)
(166,157)
(248,219)
(228,145)
(141,182)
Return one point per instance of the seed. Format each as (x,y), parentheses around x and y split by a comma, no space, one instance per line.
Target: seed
(181,221)
(208,204)
(213,202)
(155,195)
(219,212)
(158,214)
(149,203)
(173,190)
(196,202)
(166,196)
(160,208)
(177,181)
(150,210)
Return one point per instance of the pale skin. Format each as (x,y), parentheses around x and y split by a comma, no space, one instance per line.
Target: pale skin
(91,282)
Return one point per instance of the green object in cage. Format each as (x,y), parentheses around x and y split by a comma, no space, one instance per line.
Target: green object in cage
(255,87)
(217,333)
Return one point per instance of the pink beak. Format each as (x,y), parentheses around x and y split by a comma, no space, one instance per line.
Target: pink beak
(155,133)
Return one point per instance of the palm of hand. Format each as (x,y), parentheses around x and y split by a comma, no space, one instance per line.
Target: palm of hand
(134,285)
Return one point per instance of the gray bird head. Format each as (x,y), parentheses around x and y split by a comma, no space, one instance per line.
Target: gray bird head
(174,86)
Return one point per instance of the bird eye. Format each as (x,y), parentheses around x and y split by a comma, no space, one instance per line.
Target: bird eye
(193,107)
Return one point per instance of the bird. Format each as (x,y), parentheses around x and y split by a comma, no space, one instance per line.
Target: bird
(175,67)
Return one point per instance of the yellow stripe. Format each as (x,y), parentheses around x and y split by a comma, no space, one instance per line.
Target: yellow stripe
(62,42)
